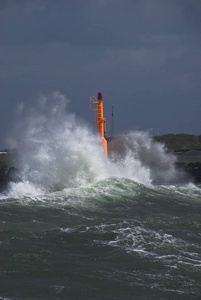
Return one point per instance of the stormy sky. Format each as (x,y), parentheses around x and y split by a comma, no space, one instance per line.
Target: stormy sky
(143,55)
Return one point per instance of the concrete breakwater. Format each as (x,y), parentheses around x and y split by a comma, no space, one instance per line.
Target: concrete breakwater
(190,162)
(187,160)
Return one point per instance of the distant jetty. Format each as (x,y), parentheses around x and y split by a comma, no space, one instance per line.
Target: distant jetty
(187,149)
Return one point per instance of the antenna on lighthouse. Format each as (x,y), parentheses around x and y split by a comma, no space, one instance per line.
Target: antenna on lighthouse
(112,121)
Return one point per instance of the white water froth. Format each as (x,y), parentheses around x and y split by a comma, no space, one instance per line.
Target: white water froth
(56,150)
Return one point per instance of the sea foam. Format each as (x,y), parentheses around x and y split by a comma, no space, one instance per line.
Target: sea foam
(56,150)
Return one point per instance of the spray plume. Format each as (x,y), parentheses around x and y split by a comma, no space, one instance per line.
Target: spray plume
(57,151)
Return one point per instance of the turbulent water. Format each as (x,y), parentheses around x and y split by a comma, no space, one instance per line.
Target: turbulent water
(80,226)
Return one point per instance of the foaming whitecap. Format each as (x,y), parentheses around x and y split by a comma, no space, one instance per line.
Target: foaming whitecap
(18,190)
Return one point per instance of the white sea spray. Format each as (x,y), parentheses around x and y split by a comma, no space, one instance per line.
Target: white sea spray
(56,150)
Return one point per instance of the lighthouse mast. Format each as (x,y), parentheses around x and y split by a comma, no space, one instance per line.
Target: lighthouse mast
(100,120)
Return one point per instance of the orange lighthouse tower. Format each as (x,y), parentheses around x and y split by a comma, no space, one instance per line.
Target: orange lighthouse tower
(96,104)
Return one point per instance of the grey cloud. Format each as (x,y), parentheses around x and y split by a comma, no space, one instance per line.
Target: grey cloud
(120,23)
(144,56)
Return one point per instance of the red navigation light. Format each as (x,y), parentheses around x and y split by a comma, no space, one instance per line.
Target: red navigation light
(100,97)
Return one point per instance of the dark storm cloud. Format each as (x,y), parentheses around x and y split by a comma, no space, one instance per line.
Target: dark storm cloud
(105,22)
(144,55)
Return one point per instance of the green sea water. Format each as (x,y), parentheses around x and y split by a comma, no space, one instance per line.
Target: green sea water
(116,239)
(78,225)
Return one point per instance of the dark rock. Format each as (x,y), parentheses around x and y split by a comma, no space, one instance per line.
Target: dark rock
(8,174)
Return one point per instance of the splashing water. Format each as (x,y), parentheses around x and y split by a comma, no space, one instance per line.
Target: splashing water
(56,151)
(139,148)
(85,226)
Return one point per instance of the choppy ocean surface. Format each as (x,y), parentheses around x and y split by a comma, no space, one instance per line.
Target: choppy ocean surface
(80,226)
(115,240)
